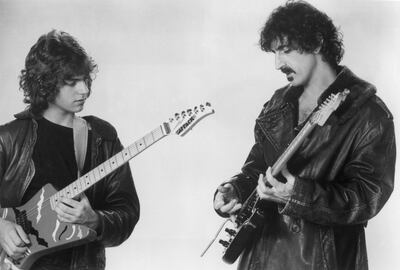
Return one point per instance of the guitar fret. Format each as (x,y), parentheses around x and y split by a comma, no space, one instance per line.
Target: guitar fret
(140,145)
(68,191)
(79,185)
(119,159)
(88,179)
(96,174)
(113,164)
(107,166)
(132,150)
(158,133)
(63,193)
(102,170)
(125,155)
(148,139)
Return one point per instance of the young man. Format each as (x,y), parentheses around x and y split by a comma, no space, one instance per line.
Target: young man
(38,148)
(342,174)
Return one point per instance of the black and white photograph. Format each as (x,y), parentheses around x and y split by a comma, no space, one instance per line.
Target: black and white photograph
(188,134)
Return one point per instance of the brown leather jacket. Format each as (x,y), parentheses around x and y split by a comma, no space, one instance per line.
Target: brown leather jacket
(344,175)
(114,198)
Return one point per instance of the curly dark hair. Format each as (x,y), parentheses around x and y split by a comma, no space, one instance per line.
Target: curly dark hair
(55,58)
(304,28)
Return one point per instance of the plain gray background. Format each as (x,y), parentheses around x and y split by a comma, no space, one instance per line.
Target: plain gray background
(158,57)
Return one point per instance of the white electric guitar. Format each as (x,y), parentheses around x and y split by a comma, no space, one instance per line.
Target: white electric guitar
(38,218)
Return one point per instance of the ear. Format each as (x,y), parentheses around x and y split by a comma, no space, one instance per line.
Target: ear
(320,42)
(317,50)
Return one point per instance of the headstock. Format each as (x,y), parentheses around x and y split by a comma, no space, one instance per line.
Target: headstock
(183,122)
(328,106)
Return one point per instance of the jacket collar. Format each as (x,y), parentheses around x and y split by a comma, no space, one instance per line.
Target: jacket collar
(27,114)
(102,128)
(360,92)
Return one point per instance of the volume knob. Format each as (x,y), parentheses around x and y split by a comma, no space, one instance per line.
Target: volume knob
(230,231)
(224,243)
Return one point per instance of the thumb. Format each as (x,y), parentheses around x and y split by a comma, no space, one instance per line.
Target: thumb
(83,198)
(289,177)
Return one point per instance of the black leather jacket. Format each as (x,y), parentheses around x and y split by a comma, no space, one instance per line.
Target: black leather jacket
(344,175)
(114,198)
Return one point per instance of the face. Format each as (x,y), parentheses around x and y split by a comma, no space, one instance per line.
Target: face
(72,96)
(299,67)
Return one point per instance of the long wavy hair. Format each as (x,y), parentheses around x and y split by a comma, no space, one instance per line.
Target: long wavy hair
(301,26)
(53,59)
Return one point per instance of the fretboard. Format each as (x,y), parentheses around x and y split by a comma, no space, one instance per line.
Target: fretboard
(110,165)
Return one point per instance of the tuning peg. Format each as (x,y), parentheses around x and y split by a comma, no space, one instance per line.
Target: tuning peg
(177,116)
(183,114)
(208,104)
(196,109)
(189,112)
(201,107)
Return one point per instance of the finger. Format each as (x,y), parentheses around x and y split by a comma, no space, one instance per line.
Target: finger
(66,218)
(13,249)
(14,239)
(264,194)
(289,177)
(64,208)
(235,208)
(262,187)
(14,252)
(85,203)
(227,207)
(6,248)
(83,198)
(225,188)
(272,180)
(70,202)
(261,182)
(65,214)
(218,202)
(22,234)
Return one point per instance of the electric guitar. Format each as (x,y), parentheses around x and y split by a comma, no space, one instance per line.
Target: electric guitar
(251,216)
(38,218)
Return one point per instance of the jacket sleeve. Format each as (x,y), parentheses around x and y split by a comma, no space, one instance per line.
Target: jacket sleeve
(245,182)
(360,192)
(119,211)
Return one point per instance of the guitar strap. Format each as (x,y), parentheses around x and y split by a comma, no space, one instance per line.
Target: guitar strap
(80,130)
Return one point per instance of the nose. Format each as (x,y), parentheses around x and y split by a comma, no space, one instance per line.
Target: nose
(278,61)
(82,88)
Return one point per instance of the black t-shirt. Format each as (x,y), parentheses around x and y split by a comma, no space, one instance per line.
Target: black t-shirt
(54,157)
(55,163)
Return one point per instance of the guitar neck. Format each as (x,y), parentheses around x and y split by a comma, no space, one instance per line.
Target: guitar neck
(110,165)
(292,148)
(253,199)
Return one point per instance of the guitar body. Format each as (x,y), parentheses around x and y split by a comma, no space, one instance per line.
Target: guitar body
(46,233)
(242,236)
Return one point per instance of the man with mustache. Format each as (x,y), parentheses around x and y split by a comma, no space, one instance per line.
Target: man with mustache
(341,176)
(37,148)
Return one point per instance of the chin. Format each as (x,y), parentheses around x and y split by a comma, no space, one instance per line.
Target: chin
(79,109)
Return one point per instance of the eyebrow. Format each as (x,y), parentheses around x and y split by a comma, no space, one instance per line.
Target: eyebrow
(280,47)
(76,78)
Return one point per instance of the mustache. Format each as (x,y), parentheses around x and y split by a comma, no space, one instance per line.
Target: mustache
(287,70)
